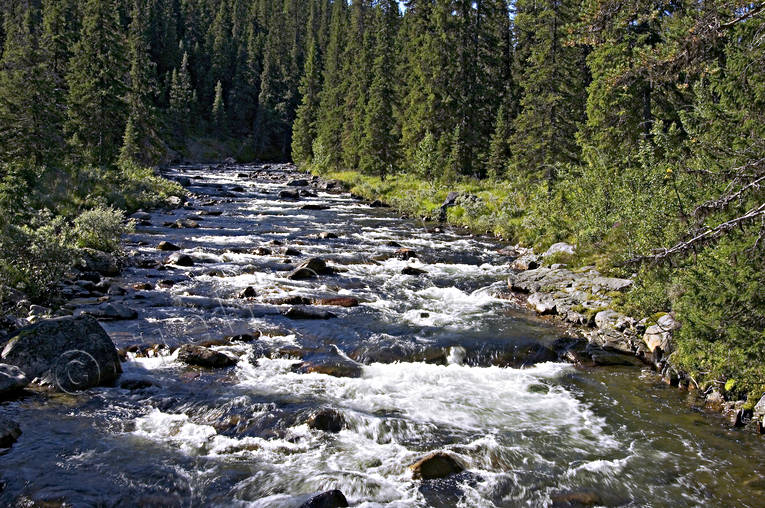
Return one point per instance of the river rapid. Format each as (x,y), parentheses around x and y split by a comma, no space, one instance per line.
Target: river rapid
(441,364)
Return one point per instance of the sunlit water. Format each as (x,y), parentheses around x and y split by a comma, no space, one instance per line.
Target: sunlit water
(237,437)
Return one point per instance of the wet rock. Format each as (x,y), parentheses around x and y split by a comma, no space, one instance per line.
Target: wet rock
(327,420)
(326,235)
(329,499)
(12,380)
(340,301)
(291,251)
(167,246)
(289,194)
(301,313)
(143,286)
(436,465)
(405,254)
(69,353)
(204,357)
(314,206)
(115,290)
(248,292)
(307,194)
(759,409)
(410,270)
(298,182)
(715,401)
(575,499)
(211,213)
(543,303)
(166,283)
(141,215)
(244,337)
(289,300)
(183,224)
(179,259)
(237,188)
(571,349)
(311,268)
(606,358)
(379,204)
(328,363)
(659,336)
(527,262)
(108,312)
(100,262)
(559,248)
(262,251)
(9,432)
(135,384)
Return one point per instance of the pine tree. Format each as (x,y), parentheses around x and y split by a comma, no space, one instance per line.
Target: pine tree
(97,111)
(218,113)
(304,128)
(142,145)
(181,96)
(30,119)
(379,154)
(553,83)
(499,147)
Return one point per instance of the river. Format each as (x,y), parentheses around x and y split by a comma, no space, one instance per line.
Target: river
(441,364)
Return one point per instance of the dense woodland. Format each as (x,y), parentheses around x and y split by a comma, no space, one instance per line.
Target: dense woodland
(634,129)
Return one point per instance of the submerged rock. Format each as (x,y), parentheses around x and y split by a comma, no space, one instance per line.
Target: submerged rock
(167,246)
(327,420)
(574,499)
(329,363)
(300,313)
(179,259)
(436,465)
(69,353)
(9,432)
(108,312)
(329,499)
(248,292)
(311,268)
(338,301)
(405,254)
(204,357)
(298,182)
(314,206)
(12,380)
(410,270)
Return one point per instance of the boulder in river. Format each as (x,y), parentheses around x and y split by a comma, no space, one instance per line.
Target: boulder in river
(100,262)
(410,270)
(337,301)
(436,465)
(300,313)
(167,246)
(311,268)
(248,292)
(526,262)
(314,206)
(179,259)
(9,432)
(659,335)
(203,357)
(405,254)
(108,312)
(576,499)
(330,363)
(329,499)
(298,182)
(12,380)
(327,420)
(69,353)
(289,194)
(327,235)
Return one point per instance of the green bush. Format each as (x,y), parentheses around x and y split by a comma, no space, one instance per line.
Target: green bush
(101,228)
(35,256)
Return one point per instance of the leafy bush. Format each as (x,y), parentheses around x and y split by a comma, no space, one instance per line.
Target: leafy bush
(101,228)
(34,257)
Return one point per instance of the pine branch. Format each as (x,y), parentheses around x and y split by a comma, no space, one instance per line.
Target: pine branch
(722,202)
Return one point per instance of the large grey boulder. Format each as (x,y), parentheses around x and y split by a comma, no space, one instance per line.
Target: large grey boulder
(559,248)
(759,409)
(69,353)
(660,334)
(9,432)
(12,379)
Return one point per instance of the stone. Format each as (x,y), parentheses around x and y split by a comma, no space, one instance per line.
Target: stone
(298,182)
(262,251)
(605,358)
(326,235)
(759,408)
(559,248)
(314,206)
(167,246)
(299,313)
(405,254)
(141,215)
(378,204)
(436,465)
(203,357)
(289,300)
(12,380)
(108,312)
(543,303)
(329,363)
(100,262)
(714,401)
(329,499)
(327,420)
(338,301)
(184,223)
(9,432)
(611,320)
(179,259)
(310,268)
(574,499)
(660,335)
(71,353)
(143,286)
(248,292)
(526,262)
(410,270)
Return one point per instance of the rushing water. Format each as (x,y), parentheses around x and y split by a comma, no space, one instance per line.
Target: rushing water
(237,436)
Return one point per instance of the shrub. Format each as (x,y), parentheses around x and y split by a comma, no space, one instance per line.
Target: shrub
(34,257)
(101,228)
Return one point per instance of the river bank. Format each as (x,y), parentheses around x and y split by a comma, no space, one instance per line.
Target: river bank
(280,338)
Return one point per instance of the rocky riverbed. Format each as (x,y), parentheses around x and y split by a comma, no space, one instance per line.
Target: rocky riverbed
(276,342)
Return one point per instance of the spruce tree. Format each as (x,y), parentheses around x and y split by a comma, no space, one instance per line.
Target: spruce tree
(499,147)
(218,113)
(142,145)
(30,120)
(379,152)
(181,97)
(97,111)
(304,128)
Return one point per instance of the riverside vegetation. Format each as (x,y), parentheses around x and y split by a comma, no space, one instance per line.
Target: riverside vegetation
(635,131)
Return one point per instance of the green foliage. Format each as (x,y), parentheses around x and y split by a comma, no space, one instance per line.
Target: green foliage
(101,228)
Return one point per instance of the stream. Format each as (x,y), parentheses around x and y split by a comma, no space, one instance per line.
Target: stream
(440,363)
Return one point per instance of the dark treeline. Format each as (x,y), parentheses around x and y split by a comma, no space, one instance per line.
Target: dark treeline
(634,129)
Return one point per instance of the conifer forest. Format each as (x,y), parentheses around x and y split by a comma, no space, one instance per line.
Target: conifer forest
(602,140)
